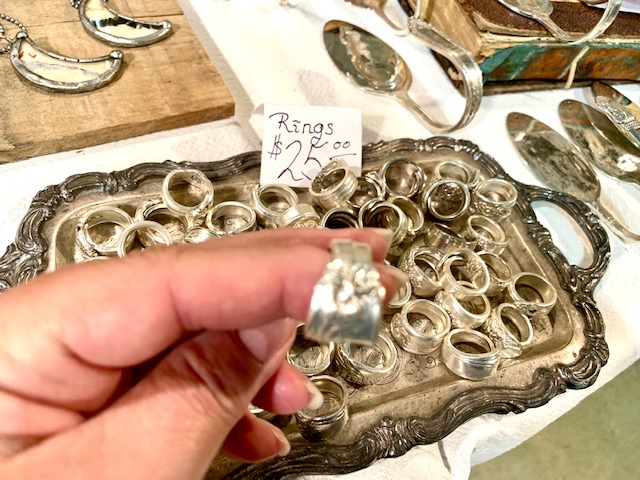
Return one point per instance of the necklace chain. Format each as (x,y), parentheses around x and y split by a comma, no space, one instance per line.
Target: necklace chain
(19,24)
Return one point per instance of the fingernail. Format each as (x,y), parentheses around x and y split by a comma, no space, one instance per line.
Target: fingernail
(386,234)
(317,399)
(285,446)
(396,273)
(265,341)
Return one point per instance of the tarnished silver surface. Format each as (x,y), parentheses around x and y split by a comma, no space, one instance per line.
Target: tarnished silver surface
(600,142)
(425,401)
(510,341)
(540,10)
(372,65)
(556,162)
(622,112)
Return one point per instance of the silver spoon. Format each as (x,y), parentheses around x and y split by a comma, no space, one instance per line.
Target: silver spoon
(378,7)
(372,65)
(540,10)
(624,114)
(556,162)
(600,141)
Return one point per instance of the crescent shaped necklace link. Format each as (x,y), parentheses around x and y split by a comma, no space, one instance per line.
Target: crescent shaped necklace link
(53,72)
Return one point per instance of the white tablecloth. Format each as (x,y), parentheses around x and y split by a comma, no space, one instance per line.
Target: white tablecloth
(271,54)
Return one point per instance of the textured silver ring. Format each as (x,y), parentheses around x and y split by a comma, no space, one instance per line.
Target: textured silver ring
(458,170)
(188,192)
(270,201)
(494,198)
(309,356)
(469,314)
(447,199)
(333,185)
(369,188)
(301,215)
(382,214)
(463,274)
(441,239)
(368,364)
(105,217)
(156,211)
(423,335)
(531,293)
(470,354)
(402,294)
(511,342)
(487,234)
(128,235)
(328,420)
(199,235)
(231,218)
(414,214)
(339,217)
(421,267)
(499,273)
(402,177)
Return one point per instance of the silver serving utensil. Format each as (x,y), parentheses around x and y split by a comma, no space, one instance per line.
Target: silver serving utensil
(372,65)
(600,141)
(540,11)
(556,162)
(619,109)
(378,7)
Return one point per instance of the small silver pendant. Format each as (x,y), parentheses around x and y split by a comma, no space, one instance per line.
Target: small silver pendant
(108,26)
(62,74)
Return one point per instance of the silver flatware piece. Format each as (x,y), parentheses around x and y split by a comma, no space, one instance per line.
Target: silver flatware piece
(540,11)
(619,109)
(600,141)
(378,6)
(555,161)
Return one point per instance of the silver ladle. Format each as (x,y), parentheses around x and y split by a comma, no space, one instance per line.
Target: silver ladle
(372,65)
(556,162)
(600,141)
(540,10)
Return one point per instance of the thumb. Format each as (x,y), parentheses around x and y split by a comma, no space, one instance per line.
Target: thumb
(171,424)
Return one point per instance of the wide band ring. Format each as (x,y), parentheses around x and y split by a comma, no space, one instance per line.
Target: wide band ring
(472,313)
(368,364)
(479,363)
(154,210)
(382,214)
(509,342)
(487,234)
(402,177)
(421,267)
(499,273)
(231,218)
(447,199)
(270,201)
(494,198)
(128,235)
(423,335)
(369,187)
(309,356)
(402,294)
(346,304)
(199,235)
(463,274)
(327,421)
(458,170)
(339,217)
(113,220)
(414,214)
(180,186)
(531,293)
(302,215)
(333,185)
(440,239)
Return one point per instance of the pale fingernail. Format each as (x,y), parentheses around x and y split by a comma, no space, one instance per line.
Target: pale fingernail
(285,446)
(396,273)
(317,399)
(265,341)
(386,234)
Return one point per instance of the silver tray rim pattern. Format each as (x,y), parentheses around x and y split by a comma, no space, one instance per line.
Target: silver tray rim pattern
(391,436)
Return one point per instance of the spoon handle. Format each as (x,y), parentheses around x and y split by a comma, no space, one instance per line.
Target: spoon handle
(396,29)
(465,64)
(617,228)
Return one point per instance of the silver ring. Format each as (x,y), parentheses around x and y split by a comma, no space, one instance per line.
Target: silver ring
(441,239)
(382,214)
(447,199)
(401,296)
(270,201)
(421,267)
(487,234)
(469,314)
(339,217)
(333,185)
(499,273)
(414,214)
(369,188)
(458,170)
(402,177)
(179,189)
(231,218)
(531,293)
(124,240)
(111,221)
(463,274)
(198,235)
(176,224)
(424,335)
(346,304)
(509,342)
(494,198)
(470,354)
(368,364)
(309,356)
(302,215)
(327,421)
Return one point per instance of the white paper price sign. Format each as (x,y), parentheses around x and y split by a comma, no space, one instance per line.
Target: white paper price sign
(299,141)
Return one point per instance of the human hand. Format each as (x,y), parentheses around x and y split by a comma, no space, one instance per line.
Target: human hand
(143,367)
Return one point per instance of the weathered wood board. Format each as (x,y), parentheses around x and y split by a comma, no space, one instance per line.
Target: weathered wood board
(162,86)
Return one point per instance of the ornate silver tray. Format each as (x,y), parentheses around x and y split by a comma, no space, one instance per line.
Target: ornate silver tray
(425,402)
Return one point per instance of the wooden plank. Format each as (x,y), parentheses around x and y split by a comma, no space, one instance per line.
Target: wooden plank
(167,85)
